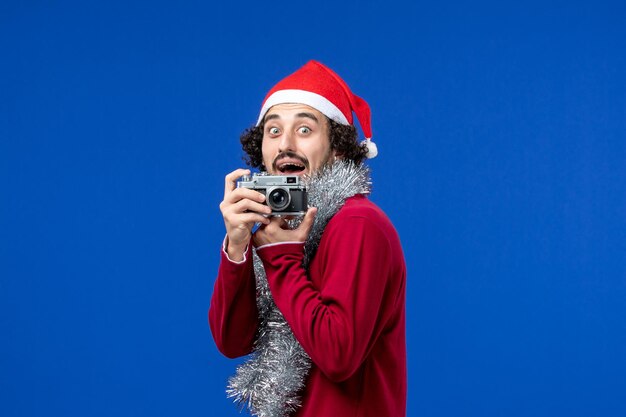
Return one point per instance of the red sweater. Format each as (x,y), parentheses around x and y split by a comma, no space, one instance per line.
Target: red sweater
(348,312)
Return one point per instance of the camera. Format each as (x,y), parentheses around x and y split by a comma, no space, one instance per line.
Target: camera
(284,194)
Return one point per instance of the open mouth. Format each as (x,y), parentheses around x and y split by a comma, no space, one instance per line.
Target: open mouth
(290,168)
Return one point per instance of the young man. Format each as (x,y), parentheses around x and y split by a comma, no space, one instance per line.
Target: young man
(321,305)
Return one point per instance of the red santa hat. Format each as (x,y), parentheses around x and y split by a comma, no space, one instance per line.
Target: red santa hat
(318,86)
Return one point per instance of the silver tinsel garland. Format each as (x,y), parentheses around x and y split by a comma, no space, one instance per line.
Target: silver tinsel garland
(270,381)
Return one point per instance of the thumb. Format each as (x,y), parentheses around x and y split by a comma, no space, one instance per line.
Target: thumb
(307,222)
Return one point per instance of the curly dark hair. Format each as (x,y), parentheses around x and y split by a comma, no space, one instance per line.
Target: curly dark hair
(343,140)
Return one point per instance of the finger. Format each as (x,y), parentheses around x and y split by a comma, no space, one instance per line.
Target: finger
(307,222)
(250,219)
(248,205)
(275,224)
(230,182)
(282,223)
(244,193)
(246,222)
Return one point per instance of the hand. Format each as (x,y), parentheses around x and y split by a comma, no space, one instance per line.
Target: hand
(241,209)
(277,231)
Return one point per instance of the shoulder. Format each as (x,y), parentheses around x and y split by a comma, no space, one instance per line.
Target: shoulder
(361,206)
(360,210)
(362,229)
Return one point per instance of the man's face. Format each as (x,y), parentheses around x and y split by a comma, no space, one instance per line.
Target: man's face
(295,140)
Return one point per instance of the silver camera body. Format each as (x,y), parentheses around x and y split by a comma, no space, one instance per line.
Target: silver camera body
(284,194)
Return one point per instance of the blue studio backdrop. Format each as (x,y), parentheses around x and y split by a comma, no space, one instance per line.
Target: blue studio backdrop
(502,137)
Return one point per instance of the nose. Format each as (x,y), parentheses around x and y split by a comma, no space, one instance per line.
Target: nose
(287,142)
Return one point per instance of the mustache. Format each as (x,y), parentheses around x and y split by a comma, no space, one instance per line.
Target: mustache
(290,155)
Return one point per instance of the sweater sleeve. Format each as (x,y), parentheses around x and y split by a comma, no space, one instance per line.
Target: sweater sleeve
(233,316)
(337,322)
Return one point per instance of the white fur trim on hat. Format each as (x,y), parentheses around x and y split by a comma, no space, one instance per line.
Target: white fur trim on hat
(318,102)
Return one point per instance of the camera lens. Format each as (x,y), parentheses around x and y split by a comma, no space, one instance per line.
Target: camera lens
(278,199)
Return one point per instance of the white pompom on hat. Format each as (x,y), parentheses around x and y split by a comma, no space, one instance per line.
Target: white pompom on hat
(318,86)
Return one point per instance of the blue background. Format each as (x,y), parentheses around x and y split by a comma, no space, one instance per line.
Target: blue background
(502,138)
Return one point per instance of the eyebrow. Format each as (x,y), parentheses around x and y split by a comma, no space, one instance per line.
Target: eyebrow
(308,115)
(299,115)
(270,117)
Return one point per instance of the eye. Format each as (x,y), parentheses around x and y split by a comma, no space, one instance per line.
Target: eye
(304,130)
(273,131)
